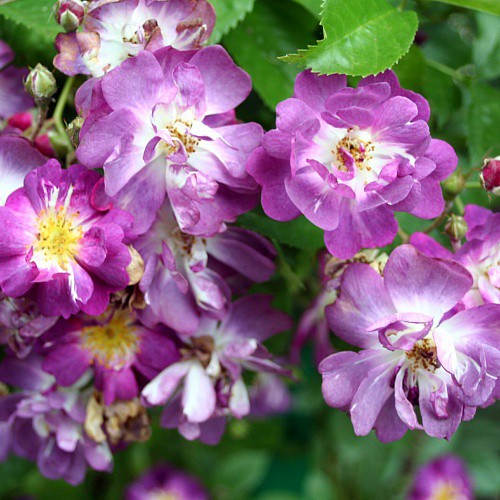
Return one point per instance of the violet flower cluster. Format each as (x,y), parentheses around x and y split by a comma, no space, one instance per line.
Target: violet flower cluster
(124,278)
(118,289)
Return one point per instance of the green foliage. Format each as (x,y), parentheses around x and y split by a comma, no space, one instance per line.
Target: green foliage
(299,233)
(267,32)
(483,123)
(361,37)
(30,28)
(486,47)
(229,14)
(313,6)
(491,6)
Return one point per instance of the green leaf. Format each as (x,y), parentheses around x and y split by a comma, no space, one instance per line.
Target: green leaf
(313,6)
(242,471)
(486,47)
(266,33)
(298,233)
(229,14)
(361,37)
(491,6)
(483,123)
(29,27)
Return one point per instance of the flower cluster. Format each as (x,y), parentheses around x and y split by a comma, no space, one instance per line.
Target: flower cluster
(119,270)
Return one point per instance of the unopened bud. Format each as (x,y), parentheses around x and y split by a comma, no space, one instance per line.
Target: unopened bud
(74,130)
(453,186)
(41,85)
(490,176)
(456,228)
(70,14)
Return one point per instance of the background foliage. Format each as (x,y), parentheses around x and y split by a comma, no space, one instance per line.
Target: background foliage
(312,453)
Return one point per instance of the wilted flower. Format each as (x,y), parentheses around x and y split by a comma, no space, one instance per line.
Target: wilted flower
(184,274)
(165,482)
(113,31)
(54,243)
(443,478)
(44,423)
(206,384)
(480,255)
(120,349)
(349,158)
(413,353)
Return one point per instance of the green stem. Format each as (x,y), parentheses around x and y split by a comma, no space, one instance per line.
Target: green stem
(460,205)
(41,116)
(59,111)
(474,185)
(446,70)
(436,223)
(403,235)
(402,4)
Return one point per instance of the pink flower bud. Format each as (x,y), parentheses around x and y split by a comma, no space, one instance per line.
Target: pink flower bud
(70,14)
(490,176)
(21,121)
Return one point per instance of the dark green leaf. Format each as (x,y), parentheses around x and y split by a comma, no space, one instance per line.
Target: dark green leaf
(229,14)
(483,123)
(267,32)
(362,37)
(492,6)
(299,233)
(313,6)
(486,47)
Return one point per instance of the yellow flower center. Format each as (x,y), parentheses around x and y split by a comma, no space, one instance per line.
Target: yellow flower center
(448,491)
(58,237)
(359,150)
(159,494)
(179,131)
(423,355)
(113,344)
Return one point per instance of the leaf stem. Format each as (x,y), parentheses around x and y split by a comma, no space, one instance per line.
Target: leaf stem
(436,223)
(446,70)
(59,110)
(460,205)
(473,185)
(41,116)
(403,235)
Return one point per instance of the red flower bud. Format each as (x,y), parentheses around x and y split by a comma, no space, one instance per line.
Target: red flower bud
(21,121)
(490,176)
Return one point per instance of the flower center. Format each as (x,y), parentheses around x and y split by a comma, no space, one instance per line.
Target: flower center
(113,344)
(448,491)
(58,237)
(179,131)
(423,356)
(353,148)
(201,348)
(159,494)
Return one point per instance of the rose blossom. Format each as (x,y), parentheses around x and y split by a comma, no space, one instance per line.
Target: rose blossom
(53,242)
(480,254)
(349,158)
(44,423)
(121,350)
(163,123)
(206,384)
(163,481)
(185,275)
(413,354)
(113,31)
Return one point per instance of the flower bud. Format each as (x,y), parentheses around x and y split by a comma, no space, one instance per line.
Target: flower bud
(70,14)
(490,175)
(73,130)
(41,85)
(21,121)
(456,228)
(453,186)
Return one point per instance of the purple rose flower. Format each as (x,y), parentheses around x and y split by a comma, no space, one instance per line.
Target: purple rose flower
(21,324)
(159,124)
(349,158)
(163,481)
(121,350)
(52,241)
(46,424)
(206,384)
(412,352)
(185,275)
(115,30)
(480,255)
(444,477)
(13,98)
(313,324)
